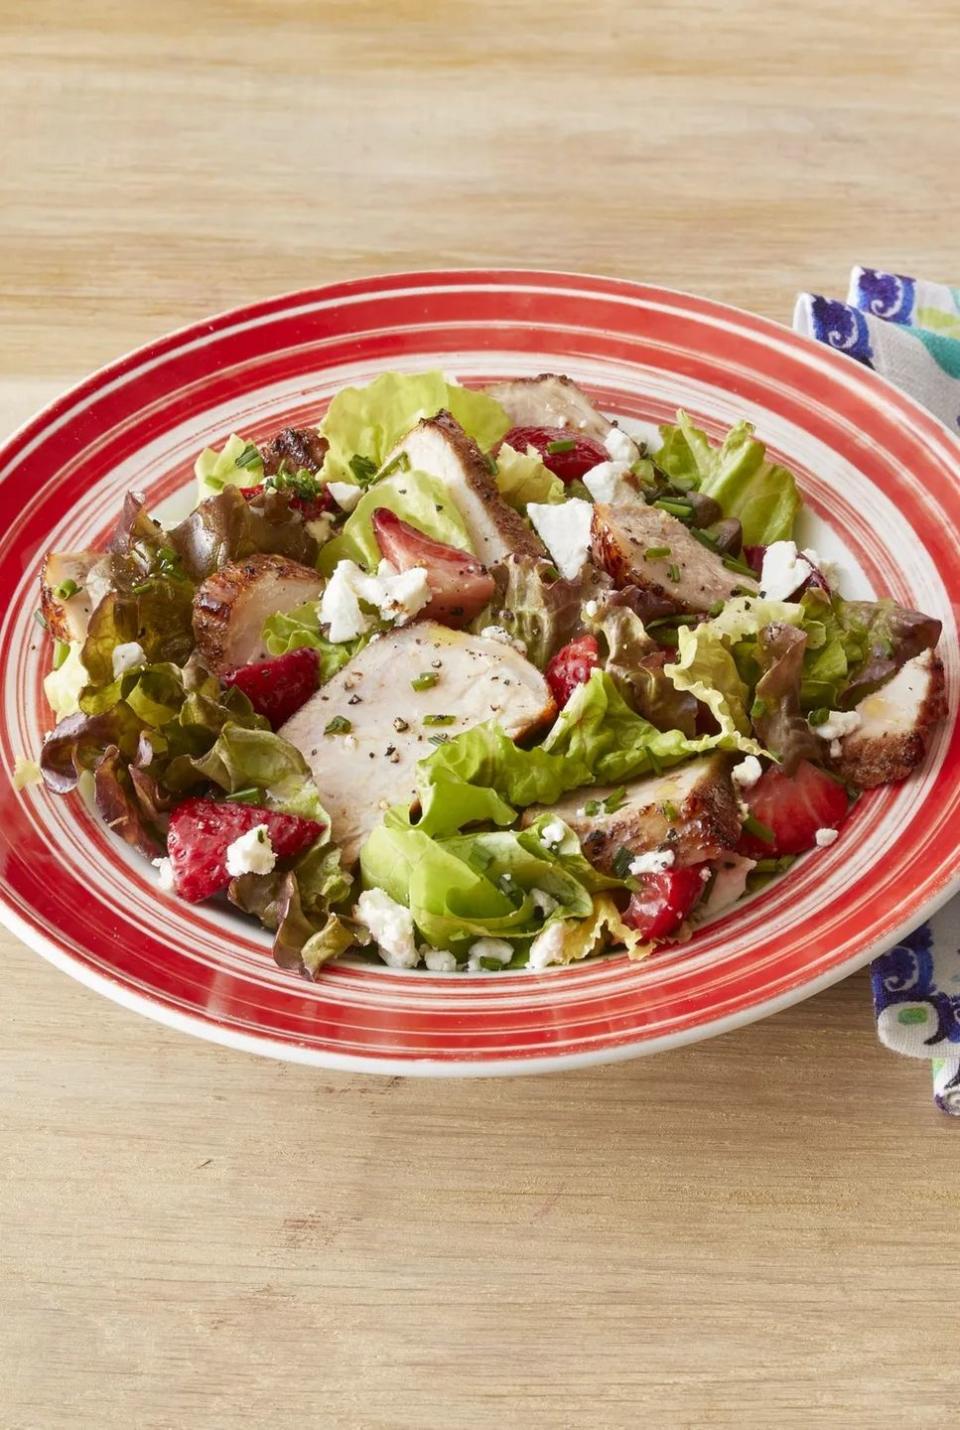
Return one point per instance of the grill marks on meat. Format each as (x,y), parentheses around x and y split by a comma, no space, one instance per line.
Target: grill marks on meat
(297,447)
(685,577)
(549,401)
(898,723)
(231,606)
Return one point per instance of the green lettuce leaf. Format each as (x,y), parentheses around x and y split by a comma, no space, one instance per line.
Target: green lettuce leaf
(534,604)
(369,421)
(290,631)
(521,478)
(62,687)
(243,758)
(417,498)
(762,495)
(216,470)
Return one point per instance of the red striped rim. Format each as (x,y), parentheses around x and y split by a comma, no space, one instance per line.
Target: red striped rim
(866,456)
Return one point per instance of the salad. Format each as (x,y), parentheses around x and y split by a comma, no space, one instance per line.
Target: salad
(476,679)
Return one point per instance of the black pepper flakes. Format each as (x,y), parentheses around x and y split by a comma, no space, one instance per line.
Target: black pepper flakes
(354,700)
(400,724)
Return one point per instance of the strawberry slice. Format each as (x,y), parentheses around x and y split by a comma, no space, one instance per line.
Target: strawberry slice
(792,808)
(277,688)
(660,906)
(571,666)
(572,452)
(201,831)
(308,507)
(461,586)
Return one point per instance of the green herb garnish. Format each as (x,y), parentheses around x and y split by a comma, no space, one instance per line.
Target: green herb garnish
(763,832)
(249,455)
(614,800)
(399,463)
(758,709)
(819,716)
(339,725)
(251,795)
(652,553)
(621,862)
(670,811)
(675,508)
(425,681)
(673,572)
(363,468)
(563,444)
(438,739)
(66,589)
(592,807)
(439,719)
(61,650)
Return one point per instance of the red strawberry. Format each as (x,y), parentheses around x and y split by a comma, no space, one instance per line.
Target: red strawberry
(461,586)
(277,688)
(201,831)
(574,453)
(793,808)
(571,666)
(308,507)
(661,905)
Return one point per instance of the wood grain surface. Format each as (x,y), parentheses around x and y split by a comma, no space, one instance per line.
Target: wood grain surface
(758,1231)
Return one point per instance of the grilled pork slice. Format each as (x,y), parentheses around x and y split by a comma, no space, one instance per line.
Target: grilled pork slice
(897,725)
(681,572)
(231,606)
(440,447)
(68,616)
(549,401)
(362,768)
(691,810)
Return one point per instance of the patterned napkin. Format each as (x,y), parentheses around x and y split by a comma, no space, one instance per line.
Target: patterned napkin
(908,330)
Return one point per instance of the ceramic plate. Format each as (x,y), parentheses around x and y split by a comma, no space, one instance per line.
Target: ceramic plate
(880,478)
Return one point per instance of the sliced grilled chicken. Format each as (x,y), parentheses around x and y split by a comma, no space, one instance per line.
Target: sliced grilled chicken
(68,616)
(440,447)
(549,401)
(691,810)
(682,572)
(231,606)
(897,724)
(362,770)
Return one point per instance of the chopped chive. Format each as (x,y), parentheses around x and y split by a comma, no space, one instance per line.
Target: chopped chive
(399,463)
(670,811)
(675,508)
(622,860)
(733,563)
(614,800)
(819,716)
(60,652)
(251,795)
(653,552)
(215,483)
(758,709)
(66,589)
(438,739)
(563,444)
(592,807)
(363,468)
(439,719)
(339,725)
(425,681)
(763,832)
(773,866)
(249,455)
(491,463)
(715,609)
(40,619)
(673,572)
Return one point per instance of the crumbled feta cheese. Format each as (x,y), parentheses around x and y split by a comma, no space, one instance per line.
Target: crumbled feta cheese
(543,901)
(783,570)
(826,837)
(828,569)
(386,568)
(547,947)
(564,528)
(655,862)
(165,878)
(621,446)
(440,960)
(350,741)
(320,527)
(345,494)
(498,633)
(836,749)
(747,772)
(607,482)
(398,596)
(839,723)
(251,853)
(591,608)
(494,950)
(552,834)
(391,925)
(128,656)
(649,434)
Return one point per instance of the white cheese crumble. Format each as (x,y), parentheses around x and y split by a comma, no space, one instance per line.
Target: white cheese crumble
(128,656)
(836,749)
(398,597)
(783,570)
(839,723)
(164,868)
(564,529)
(251,853)
(494,950)
(747,772)
(345,494)
(621,446)
(826,837)
(607,482)
(498,633)
(655,862)
(547,947)
(391,926)
(552,834)
(440,960)
(543,901)
(591,608)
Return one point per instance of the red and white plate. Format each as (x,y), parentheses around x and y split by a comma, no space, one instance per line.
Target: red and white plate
(880,478)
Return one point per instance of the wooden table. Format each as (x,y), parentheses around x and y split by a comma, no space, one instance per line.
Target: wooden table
(759,1231)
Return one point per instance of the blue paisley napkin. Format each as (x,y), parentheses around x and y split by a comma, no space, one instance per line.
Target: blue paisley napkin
(908,330)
